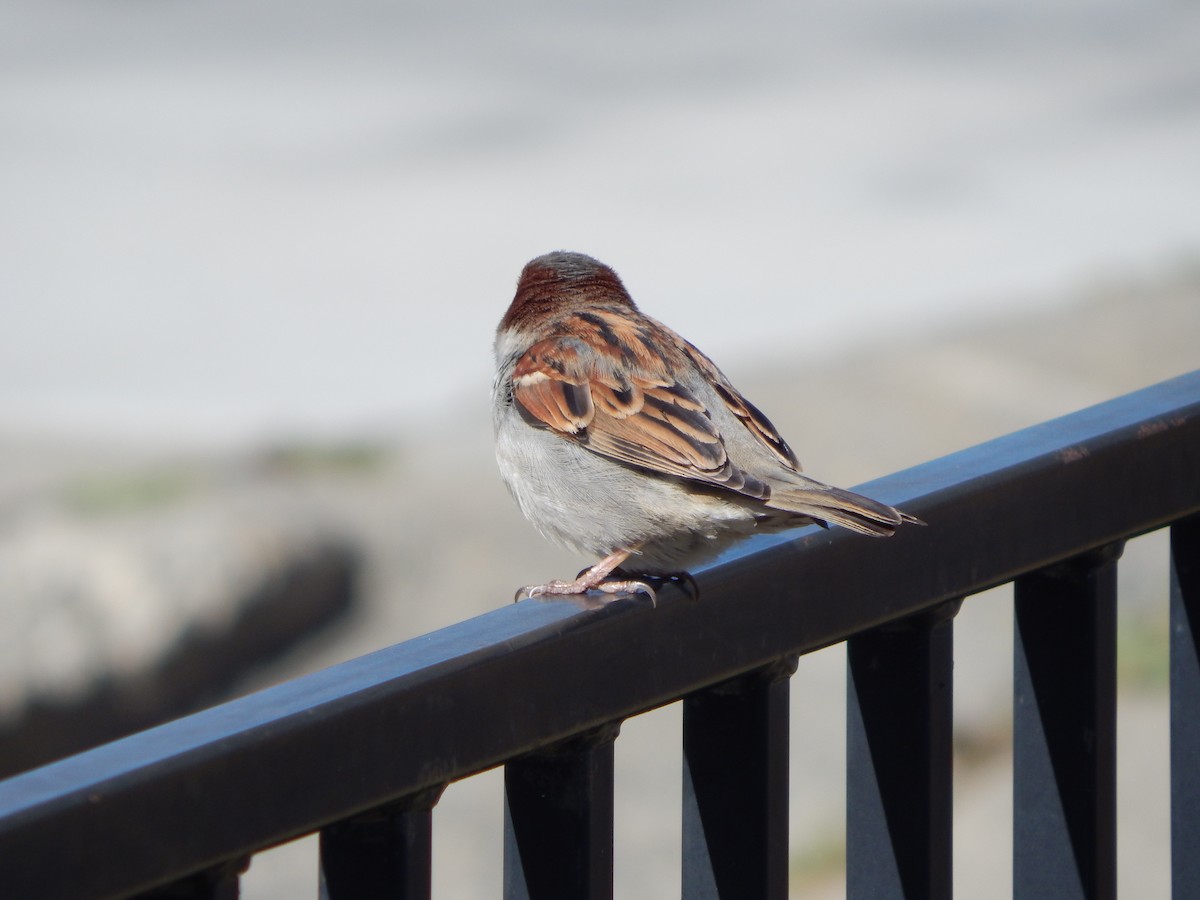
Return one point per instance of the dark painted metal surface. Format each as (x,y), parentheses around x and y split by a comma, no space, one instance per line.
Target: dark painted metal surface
(384,852)
(735,787)
(899,754)
(291,759)
(1185,709)
(558,820)
(1065,729)
(220,882)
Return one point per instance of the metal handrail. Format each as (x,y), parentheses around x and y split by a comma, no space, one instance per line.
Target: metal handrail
(404,721)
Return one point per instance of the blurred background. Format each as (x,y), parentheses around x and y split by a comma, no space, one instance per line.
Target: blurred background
(255,252)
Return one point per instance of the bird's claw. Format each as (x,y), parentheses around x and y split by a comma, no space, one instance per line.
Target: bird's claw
(540,590)
(624,588)
(686,583)
(683,580)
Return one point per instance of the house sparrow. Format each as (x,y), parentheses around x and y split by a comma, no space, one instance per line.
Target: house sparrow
(621,440)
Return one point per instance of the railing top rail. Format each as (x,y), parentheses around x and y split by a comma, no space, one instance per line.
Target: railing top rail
(286,760)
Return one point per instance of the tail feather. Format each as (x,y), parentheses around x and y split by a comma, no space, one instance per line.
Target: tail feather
(829,504)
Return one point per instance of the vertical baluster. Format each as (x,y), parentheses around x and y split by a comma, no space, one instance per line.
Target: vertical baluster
(558,820)
(383,852)
(900,716)
(735,787)
(1064,729)
(1185,708)
(221,882)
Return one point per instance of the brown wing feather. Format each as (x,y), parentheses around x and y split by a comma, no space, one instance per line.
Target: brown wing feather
(648,422)
(747,413)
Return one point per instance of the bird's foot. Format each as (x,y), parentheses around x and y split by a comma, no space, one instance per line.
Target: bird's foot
(594,579)
(627,583)
(580,592)
(683,580)
(581,587)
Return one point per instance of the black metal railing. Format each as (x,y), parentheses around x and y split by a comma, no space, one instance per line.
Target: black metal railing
(360,752)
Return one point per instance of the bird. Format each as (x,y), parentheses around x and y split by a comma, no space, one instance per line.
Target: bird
(620,440)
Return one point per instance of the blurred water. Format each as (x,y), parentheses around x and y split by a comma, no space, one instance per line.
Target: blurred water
(221,220)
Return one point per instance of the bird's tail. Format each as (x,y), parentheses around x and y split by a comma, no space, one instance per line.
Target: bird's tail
(829,504)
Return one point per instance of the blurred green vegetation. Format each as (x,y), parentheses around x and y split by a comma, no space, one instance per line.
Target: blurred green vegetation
(822,858)
(349,457)
(118,492)
(1143,653)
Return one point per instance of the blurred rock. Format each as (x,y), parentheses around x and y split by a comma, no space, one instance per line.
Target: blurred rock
(137,593)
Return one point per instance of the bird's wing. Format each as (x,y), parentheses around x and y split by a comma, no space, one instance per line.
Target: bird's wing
(747,413)
(573,386)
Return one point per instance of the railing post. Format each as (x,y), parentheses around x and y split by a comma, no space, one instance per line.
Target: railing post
(558,820)
(735,787)
(1064,729)
(1185,707)
(899,778)
(383,852)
